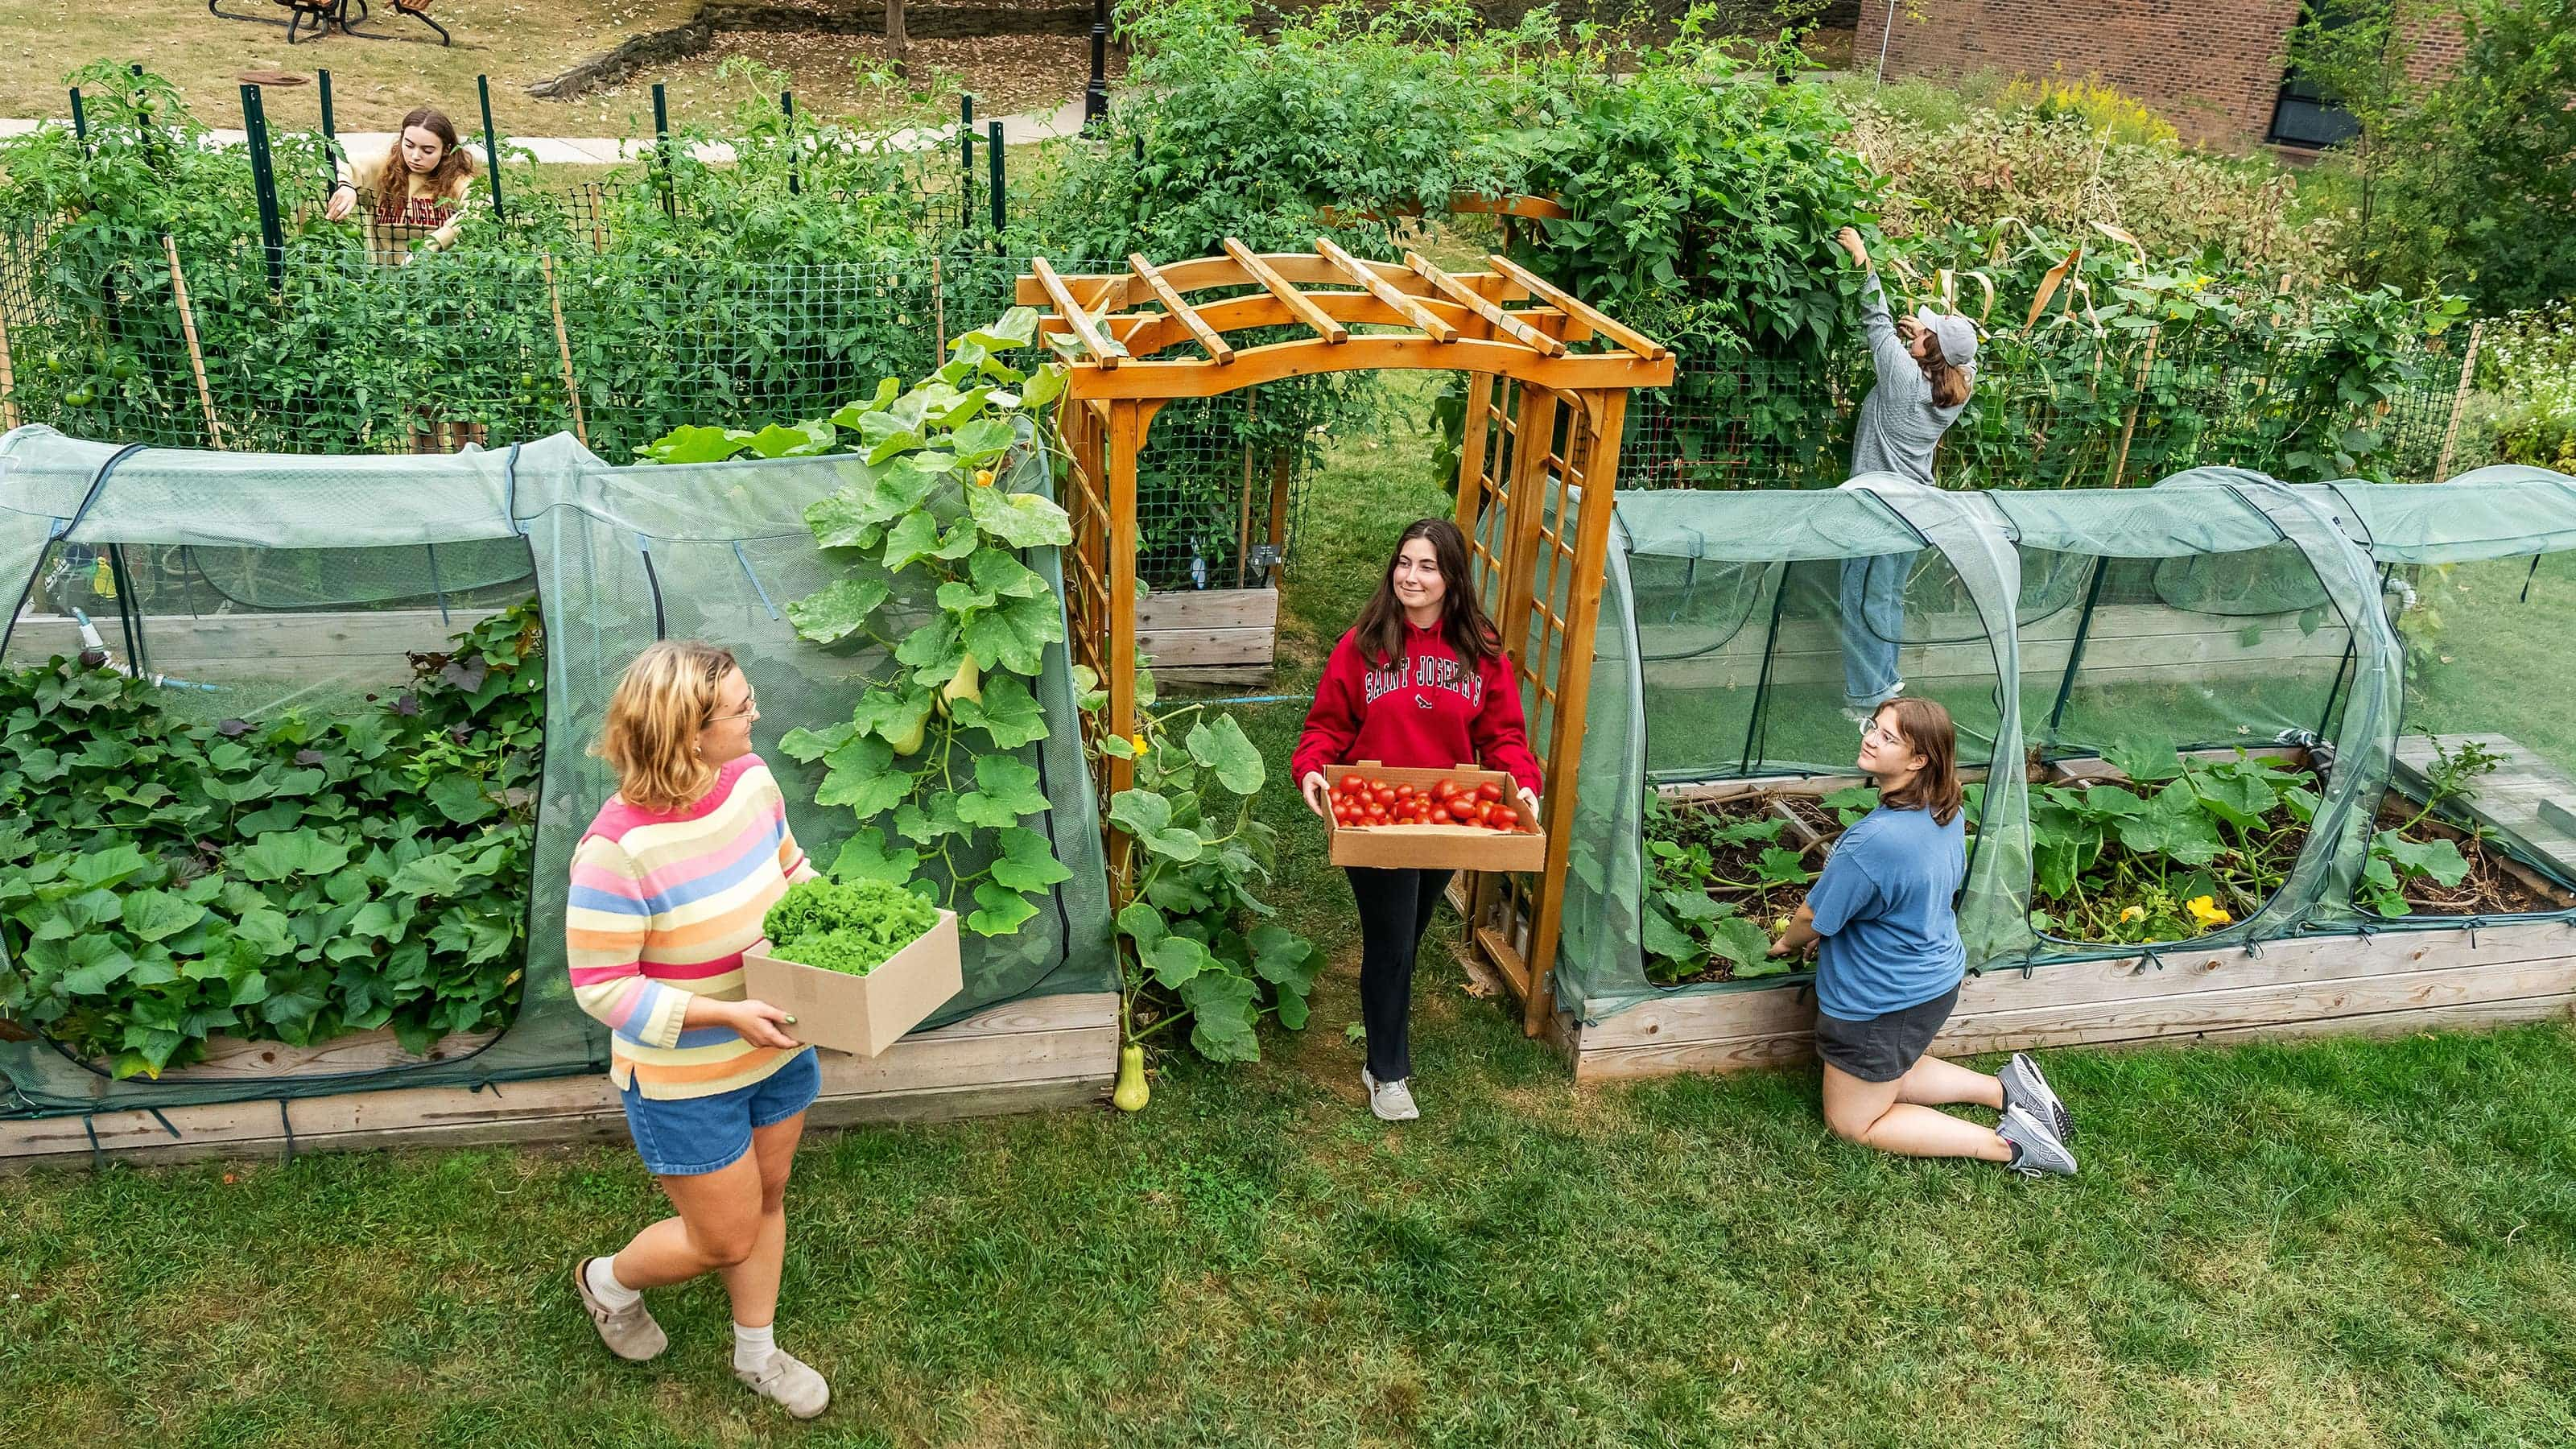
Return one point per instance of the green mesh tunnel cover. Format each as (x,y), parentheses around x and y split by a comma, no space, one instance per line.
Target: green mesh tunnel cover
(2219,608)
(304,581)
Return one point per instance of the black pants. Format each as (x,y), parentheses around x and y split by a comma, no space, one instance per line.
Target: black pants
(1395,909)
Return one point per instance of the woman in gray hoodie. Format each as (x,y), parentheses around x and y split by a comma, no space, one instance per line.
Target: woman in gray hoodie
(1926,366)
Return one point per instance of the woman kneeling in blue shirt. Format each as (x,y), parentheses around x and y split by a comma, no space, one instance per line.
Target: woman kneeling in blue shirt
(1889,969)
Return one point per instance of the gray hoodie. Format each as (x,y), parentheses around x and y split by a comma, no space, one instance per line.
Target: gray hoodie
(1899,426)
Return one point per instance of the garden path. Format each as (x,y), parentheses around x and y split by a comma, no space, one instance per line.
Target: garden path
(1064,120)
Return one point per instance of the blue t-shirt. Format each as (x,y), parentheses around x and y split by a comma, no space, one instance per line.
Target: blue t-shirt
(1883,906)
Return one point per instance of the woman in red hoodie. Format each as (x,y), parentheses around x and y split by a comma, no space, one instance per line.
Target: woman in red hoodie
(1419,681)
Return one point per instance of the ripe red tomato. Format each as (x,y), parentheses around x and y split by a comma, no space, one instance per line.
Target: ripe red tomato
(1444,789)
(1489,791)
(1462,809)
(1351,784)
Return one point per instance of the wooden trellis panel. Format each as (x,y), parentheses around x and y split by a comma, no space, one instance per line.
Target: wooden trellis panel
(1539,470)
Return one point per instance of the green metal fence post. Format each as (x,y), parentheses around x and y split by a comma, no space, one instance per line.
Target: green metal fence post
(491,141)
(787,107)
(993,155)
(263,176)
(965,159)
(662,147)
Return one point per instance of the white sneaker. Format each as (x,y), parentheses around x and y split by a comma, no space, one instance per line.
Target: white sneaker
(1391,1101)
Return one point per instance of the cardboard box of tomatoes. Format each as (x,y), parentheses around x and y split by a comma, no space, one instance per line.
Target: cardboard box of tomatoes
(1461,818)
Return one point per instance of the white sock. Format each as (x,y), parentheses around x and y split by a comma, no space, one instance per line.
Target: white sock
(602,1277)
(753,1346)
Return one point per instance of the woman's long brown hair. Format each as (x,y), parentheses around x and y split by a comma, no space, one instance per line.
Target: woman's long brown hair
(1926,729)
(454,163)
(1950,386)
(1471,635)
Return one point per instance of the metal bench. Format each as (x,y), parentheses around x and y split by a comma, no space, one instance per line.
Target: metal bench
(321,14)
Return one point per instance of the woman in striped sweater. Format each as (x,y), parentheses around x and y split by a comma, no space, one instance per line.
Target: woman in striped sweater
(669,886)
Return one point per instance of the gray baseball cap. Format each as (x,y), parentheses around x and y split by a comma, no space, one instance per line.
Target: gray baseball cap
(1958,335)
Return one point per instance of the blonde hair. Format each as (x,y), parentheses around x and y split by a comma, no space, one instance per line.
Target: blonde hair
(651,739)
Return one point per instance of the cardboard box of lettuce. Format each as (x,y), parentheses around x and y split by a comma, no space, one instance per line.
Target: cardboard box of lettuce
(857,964)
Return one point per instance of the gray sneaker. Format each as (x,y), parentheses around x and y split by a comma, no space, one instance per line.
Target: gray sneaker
(2025,1088)
(629,1332)
(790,1383)
(1391,1101)
(2036,1150)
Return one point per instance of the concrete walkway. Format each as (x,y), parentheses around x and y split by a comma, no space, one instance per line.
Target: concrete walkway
(1065,120)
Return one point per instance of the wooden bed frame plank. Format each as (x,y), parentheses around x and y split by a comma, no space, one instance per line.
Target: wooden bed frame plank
(2518,972)
(1019,1056)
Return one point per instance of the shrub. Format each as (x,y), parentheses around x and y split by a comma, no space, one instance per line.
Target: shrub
(2462,181)
(1336,123)
(2527,379)
(2101,109)
(2060,169)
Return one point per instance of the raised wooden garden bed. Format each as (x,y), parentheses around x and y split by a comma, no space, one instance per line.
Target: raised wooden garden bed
(2422,977)
(357,644)
(2391,983)
(232,1059)
(1047,1051)
(1222,637)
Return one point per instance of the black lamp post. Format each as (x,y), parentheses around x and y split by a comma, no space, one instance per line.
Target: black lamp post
(1095,96)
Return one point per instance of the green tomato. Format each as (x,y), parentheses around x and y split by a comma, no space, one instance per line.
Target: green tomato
(78,397)
(121,369)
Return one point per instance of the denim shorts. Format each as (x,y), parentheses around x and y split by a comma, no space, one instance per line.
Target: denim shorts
(698,1135)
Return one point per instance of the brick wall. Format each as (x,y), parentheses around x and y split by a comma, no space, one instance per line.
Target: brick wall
(2213,68)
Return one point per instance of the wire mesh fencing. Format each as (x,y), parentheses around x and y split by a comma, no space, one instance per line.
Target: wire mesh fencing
(325,349)
(2053,422)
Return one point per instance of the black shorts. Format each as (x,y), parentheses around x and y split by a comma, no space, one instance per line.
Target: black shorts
(1883,1048)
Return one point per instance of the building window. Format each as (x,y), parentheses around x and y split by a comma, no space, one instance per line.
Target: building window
(2301,115)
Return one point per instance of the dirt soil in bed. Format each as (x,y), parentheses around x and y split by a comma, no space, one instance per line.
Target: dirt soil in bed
(2492,887)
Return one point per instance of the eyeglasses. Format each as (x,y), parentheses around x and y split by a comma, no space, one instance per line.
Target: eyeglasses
(750,709)
(1869,730)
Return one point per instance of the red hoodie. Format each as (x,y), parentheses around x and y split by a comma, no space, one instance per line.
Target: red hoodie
(1422,709)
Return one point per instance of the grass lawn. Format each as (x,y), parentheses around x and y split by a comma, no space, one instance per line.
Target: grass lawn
(515,42)
(2342,1243)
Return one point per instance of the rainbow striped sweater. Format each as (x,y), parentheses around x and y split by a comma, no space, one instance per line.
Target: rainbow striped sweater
(664,903)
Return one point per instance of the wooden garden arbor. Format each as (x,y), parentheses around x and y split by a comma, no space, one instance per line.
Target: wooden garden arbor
(1548,381)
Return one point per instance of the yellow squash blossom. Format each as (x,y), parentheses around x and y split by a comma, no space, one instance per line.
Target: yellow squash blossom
(2132,913)
(2205,911)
